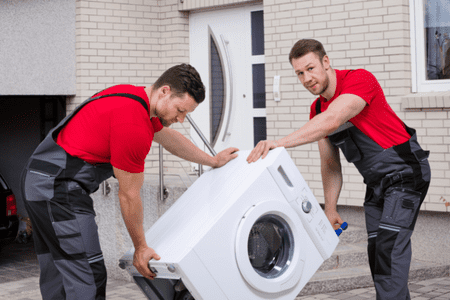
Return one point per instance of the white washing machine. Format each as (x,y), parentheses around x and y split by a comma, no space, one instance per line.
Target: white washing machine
(243,231)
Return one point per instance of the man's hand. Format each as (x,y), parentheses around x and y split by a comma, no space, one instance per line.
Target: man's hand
(261,149)
(225,156)
(141,260)
(334,218)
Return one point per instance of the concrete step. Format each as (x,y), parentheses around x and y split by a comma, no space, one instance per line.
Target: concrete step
(351,250)
(346,255)
(343,279)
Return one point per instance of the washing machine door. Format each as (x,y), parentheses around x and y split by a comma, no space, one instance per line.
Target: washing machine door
(269,247)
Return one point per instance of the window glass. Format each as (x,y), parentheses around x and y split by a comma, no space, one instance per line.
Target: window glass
(217,92)
(437,40)
(259,129)
(257,20)
(259,86)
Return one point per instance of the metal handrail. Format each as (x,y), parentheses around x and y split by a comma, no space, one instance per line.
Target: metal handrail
(199,132)
(161,173)
(162,189)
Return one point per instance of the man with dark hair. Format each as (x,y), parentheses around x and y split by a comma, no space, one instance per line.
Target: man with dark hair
(182,79)
(305,46)
(109,134)
(352,114)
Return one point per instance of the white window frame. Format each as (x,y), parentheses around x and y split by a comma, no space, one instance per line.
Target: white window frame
(418,69)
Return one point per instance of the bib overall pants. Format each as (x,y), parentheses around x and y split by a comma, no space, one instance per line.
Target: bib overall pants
(56,188)
(397,181)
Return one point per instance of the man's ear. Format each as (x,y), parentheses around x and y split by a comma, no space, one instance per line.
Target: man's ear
(326,62)
(165,89)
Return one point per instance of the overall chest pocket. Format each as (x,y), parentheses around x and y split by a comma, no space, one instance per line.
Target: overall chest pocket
(344,141)
(40,180)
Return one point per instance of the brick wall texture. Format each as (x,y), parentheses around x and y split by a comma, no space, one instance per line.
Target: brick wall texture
(134,41)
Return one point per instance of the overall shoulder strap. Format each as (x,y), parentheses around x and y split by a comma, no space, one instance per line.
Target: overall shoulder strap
(58,128)
(131,96)
(318,106)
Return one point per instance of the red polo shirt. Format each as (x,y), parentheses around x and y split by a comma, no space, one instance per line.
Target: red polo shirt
(377,120)
(114,130)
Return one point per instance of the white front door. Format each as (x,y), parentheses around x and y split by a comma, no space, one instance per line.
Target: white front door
(227,49)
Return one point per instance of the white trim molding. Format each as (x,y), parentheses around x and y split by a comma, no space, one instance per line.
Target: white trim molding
(420,83)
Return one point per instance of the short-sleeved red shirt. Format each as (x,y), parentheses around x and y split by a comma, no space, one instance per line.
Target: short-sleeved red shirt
(116,130)
(377,120)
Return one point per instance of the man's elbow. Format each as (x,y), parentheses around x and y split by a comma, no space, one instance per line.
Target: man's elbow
(332,122)
(333,126)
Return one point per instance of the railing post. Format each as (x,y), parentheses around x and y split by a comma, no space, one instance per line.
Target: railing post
(161,174)
(200,170)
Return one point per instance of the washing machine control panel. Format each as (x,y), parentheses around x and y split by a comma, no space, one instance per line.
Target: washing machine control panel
(306,206)
(296,191)
(315,222)
(284,176)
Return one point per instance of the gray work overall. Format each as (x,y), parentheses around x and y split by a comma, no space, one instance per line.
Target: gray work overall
(397,181)
(56,188)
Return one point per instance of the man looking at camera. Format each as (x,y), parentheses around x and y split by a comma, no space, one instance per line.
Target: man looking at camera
(352,114)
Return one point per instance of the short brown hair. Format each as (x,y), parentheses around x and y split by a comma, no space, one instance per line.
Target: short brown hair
(305,46)
(183,79)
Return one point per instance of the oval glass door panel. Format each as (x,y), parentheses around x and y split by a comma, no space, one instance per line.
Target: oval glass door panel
(217,90)
(270,246)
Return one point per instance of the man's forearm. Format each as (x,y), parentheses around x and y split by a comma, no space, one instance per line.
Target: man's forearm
(133,217)
(179,145)
(332,185)
(314,130)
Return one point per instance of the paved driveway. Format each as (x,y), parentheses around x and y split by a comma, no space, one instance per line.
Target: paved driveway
(19,280)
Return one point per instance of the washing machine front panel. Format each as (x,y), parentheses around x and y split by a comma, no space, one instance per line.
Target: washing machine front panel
(217,248)
(299,195)
(269,246)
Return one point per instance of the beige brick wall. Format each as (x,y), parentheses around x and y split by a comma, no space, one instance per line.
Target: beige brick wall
(374,35)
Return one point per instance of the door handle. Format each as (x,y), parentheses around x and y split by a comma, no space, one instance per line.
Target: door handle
(227,131)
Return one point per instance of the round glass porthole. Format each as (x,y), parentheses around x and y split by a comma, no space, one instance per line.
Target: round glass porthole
(270,246)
